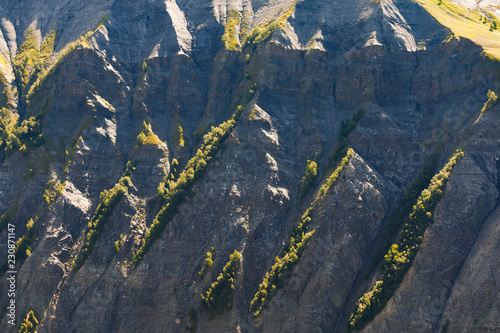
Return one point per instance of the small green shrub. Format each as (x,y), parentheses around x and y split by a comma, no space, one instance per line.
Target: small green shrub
(53,191)
(147,137)
(209,261)
(29,323)
(310,176)
(119,243)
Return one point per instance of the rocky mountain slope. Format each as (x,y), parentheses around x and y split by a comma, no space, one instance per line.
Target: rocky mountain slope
(136,136)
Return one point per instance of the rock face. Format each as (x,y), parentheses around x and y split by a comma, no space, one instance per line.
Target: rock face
(164,63)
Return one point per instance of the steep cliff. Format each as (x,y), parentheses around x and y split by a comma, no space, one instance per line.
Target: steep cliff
(140,135)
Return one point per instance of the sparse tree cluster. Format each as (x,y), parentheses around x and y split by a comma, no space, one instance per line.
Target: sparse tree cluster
(310,176)
(53,191)
(107,202)
(219,295)
(335,175)
(173,191)
(283,265)
(146,136)
(209,261)
(22,246)
(29,323)
(404,208)
(262,32)
(400,257)
(15,137)
(31,58)
(229,37)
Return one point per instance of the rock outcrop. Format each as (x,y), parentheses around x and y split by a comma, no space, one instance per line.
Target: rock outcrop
(163,63)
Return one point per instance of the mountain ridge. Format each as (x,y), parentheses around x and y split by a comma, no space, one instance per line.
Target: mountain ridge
(160,69)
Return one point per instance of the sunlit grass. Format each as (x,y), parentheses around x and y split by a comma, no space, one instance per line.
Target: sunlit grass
(466,23)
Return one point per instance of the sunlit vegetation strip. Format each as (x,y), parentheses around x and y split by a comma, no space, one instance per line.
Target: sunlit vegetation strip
(30,58)
(404,208)
(261,32)
(173,192)
(219,295)
(229,37)
(490,103)
(107,202)
(283,265)
(335,175)
(400,257)
(52,65)
(310,175)
(292,251)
